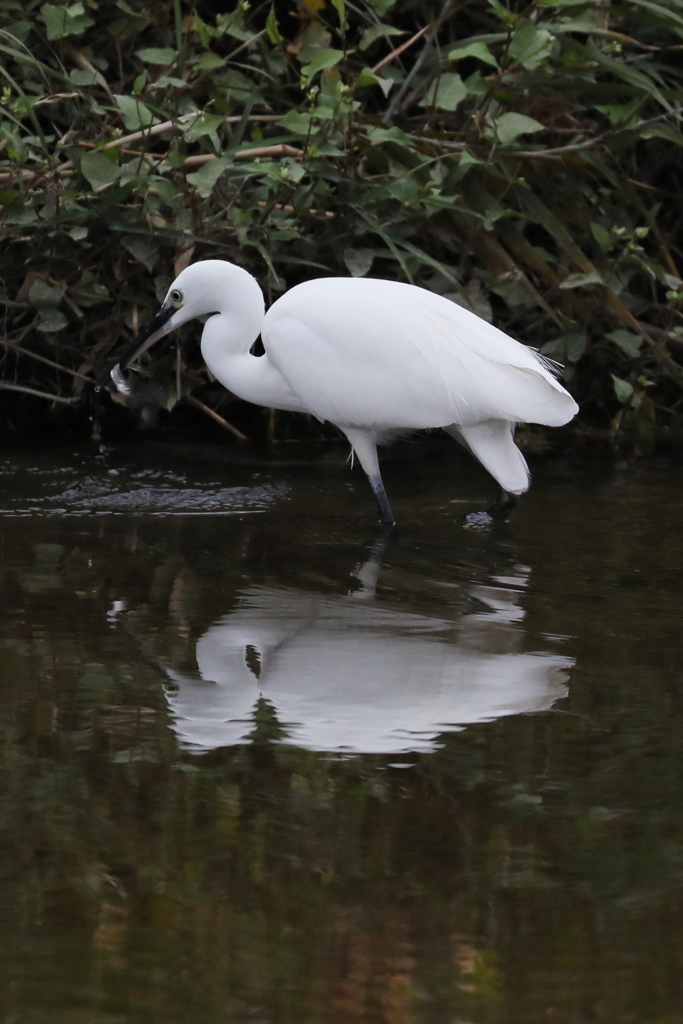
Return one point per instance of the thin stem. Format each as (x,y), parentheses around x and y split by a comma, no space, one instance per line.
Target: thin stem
(217,417)
(43,359)
(8,386)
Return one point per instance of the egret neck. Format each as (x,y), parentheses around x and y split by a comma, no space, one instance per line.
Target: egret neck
(226,340)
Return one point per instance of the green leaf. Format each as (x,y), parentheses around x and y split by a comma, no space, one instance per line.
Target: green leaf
(43,294)
(623,114)
(666,13)
(340,8)
(530,45)
(144,248)
(272,30)
(291,170)
(83,78)
(446,92)
(204,124)
(575,343)
(157,55)
(164,81)
(478,50)
(206,177)
(622,389)
(568,348)
(510,126)
(368,77)
(358,261)
(379,31)
(623,70)
(506,16)
(380,7)
(602,237)
(405,189)
(322,60)
(468,160)
(663,130)
(65,20)
(166,190)
(99,168)
(10,199)
(297,122)
(628,341)
(375,134)
(135,114)
(580,280)
(208,62)
(51,320)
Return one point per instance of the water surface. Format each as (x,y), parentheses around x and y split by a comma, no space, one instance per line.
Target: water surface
(261,764)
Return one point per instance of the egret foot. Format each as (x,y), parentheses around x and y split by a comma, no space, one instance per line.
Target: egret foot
(499,512)
(502,508)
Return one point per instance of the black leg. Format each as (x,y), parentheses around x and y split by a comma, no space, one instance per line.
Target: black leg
(385,512)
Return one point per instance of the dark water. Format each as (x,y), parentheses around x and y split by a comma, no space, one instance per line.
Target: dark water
(260,766)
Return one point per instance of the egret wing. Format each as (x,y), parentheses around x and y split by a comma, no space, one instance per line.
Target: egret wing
(383,355)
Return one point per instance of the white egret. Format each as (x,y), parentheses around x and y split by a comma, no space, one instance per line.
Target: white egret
(376,358)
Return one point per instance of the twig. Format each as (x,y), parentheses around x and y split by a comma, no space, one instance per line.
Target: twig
(43,359)
(165,126)
(399,49)
(244,45)
(578,146)
(611,34)
(56,98)
(431,31)
(217,417)
(8,386)
(554,152)
(85,64)
(286,208)
(282,149)
(66,170)
(660,332)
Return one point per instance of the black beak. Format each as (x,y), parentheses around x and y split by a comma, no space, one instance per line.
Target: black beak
(128,353)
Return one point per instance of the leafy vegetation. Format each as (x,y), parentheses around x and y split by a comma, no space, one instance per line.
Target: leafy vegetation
(522,159)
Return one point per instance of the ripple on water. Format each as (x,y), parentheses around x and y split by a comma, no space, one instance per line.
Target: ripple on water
(93,487)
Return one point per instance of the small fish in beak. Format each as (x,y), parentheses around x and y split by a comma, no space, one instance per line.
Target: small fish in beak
(119,381)
(128,353)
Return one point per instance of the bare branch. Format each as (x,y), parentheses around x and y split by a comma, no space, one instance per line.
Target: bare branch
(217,417)
(7,385)
(43,359)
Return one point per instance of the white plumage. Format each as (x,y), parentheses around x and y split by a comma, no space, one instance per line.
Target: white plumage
(374,357)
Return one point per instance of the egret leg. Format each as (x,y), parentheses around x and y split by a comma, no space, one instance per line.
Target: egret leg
(365,447)
(385,512)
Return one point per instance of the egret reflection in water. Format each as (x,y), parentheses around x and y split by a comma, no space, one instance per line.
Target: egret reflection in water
(346,674)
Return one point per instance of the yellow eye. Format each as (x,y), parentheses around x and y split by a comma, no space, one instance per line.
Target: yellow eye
(177,296)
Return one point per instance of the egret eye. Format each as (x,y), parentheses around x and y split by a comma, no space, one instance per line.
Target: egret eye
(177,296)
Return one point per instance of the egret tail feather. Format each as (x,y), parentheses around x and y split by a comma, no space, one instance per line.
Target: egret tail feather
(492,442)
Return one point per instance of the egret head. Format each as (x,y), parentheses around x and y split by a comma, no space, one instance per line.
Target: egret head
(200,289)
